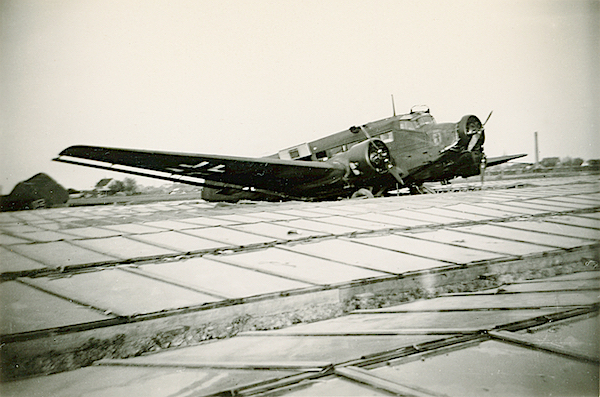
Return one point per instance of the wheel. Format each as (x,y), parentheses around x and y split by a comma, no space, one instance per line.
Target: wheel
(362,193)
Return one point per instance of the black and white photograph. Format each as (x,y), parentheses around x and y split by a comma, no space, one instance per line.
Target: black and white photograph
(299,198)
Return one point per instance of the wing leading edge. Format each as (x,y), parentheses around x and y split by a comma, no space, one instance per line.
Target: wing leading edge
(287,177)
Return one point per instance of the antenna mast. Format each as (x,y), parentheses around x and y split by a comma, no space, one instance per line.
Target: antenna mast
(393,105)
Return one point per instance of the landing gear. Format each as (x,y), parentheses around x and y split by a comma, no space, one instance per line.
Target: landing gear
(414,189)
(362,193)
(420,189)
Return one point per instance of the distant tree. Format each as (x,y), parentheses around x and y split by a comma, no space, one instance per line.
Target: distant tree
(570,162)
(130,186)
(577,162)
(594,164)
(115,186)
(550,162)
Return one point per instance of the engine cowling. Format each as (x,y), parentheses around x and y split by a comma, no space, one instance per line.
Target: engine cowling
(366,159)
(471,133)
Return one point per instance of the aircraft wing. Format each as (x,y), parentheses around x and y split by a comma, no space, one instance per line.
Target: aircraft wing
(491,161)
(269,174)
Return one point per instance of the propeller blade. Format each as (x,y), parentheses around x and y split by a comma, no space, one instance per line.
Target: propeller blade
(473,141)
(488,118)
(364,130)
(396,174)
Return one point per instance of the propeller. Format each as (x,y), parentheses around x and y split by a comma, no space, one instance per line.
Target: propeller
(477,134)
(377,157)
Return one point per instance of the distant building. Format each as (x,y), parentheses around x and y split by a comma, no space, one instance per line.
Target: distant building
(101,188)
(39,191)
(593,164)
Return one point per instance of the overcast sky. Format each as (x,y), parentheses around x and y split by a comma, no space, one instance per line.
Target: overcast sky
(251,77)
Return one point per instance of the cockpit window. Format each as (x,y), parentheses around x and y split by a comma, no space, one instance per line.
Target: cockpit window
(424,120)
(407,125)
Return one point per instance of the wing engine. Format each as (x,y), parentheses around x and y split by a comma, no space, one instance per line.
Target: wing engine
(365,160)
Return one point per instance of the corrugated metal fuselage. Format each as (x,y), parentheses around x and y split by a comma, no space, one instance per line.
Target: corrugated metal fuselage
(421,149)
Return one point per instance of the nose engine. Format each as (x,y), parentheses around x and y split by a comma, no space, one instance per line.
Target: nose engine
(471,137)
(471,133)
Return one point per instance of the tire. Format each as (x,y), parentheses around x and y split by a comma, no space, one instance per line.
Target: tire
(362,193)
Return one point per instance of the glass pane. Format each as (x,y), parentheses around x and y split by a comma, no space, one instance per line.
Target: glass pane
(475,241)
(277,231)
(110,381)
(418,320)
(12,262)
(224,280)
(501,301)
(298,267)
(122,292)
(497,369)
(367,256)
(23,309)
(555,228)
(428,249)
(312,350)
(336,386)
(576,335)
(526,236)
(123,247)
(60,254)
(230,236)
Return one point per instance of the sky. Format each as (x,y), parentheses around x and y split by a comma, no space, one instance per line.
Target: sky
(250,77)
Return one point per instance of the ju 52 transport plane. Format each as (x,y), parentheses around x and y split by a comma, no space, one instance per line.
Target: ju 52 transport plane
(373,159)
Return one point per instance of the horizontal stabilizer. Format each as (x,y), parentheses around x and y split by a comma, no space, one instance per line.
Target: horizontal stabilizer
(492,161)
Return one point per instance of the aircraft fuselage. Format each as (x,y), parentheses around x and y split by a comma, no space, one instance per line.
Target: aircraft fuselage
(421,151)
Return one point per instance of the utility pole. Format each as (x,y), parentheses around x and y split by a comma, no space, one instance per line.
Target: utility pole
(537,151)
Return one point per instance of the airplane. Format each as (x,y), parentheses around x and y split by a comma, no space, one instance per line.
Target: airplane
(371,160)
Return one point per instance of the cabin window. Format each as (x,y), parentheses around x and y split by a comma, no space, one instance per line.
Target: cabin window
(294,153)
(322,155)
(387,137)
(335,150)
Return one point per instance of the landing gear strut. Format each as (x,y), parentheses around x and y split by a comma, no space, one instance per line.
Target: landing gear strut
(420,189)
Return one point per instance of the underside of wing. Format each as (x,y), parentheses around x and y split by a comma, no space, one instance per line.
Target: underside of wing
(269,174)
